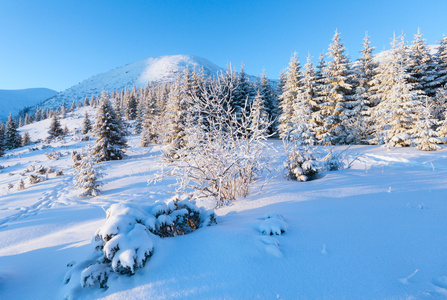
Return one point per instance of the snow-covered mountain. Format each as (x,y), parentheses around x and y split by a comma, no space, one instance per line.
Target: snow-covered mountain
(12,101)
(152,69)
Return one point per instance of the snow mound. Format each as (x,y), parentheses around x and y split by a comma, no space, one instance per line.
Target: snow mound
(273,224)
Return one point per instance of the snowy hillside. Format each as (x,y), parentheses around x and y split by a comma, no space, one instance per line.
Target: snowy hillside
(137,74)
(375,231)
(12,101)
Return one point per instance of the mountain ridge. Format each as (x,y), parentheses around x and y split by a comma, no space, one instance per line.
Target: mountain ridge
(13,101)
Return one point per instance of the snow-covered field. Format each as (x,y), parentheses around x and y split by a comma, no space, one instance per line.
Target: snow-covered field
(375,231)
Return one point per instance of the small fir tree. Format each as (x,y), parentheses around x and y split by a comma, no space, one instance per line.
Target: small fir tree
(426,138)
(26,140)
(86,125)
(87,177)
(55,130)
(12,136)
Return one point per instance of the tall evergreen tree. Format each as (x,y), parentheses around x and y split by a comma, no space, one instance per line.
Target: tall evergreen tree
(150,131)
(176,118)
(259,116)
(131,106)
(243,94)
(421,66)
(290,91)
(362,125)
(441,64)
(271,104)
(111,142)
(395,115)
(339,97)
(304,107)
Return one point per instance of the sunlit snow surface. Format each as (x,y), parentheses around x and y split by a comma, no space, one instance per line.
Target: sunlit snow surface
(375,231)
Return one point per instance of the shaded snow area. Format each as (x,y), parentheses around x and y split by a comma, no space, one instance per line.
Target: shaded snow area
(375,231)
(138,74)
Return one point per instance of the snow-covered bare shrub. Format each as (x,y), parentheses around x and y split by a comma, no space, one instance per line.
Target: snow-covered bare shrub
(87,177)
(301,163)
(53,155)
(125,242)
(222,152)
(41,170)
(59,173)
(33,179)
(51,170)
(20,185)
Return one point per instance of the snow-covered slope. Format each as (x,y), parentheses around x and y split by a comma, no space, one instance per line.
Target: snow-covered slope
(138,74)
(12,101)
(375,231)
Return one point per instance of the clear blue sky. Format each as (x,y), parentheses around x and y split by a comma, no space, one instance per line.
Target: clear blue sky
(56,44)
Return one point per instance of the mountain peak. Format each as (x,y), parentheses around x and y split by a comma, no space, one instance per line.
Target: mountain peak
(139,74)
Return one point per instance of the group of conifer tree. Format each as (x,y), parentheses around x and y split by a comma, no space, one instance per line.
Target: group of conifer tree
(398,99)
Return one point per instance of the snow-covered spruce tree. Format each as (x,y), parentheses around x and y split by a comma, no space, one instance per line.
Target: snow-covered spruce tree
(271,103)
(26,140)
(361,123)
(63,111)
(403,112)
(177,109)
(87,177)
(86,124)
(55,129)
(280,85)
(421,66)
(243,93)
(140,114)
(288,97)
(441,64)
(37,114)
(395,114)
(304,107)
(440,103)
(131,106)
(20,122)
(426,138)
(259,119)
(73,106)
(150,131)
(110,133)
(339,97)
(12,136)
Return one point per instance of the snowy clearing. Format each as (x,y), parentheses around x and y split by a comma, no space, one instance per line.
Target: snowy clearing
(377,230)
